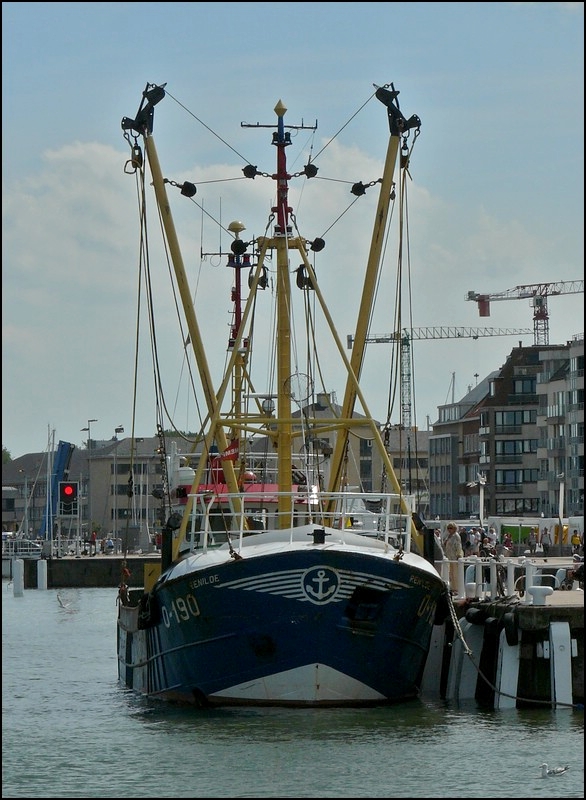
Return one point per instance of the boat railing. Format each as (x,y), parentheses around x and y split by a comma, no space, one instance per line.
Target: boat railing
(490,578)
(217,518)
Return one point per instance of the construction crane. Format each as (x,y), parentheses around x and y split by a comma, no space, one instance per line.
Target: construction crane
(538,294)
(442,332)
(405,337)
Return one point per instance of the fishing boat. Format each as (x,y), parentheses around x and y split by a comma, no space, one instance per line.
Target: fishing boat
(283,581)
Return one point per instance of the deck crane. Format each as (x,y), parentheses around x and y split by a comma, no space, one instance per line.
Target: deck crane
(538,294)
(442,332)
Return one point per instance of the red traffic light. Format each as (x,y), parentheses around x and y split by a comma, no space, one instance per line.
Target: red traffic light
(68,493)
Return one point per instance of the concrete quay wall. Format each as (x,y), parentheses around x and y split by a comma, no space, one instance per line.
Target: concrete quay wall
(509,654)
(89,571)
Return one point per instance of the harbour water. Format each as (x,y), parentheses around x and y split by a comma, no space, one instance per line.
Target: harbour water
(70,730)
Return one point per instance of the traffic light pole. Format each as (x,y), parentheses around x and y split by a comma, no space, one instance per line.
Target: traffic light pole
(69,508)
(78,533)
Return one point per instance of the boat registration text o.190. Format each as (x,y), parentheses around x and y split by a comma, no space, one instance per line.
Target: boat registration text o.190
(181,609)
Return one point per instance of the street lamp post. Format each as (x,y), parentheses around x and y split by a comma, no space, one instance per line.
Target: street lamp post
(117,430)
(89,473)
(481,483)
(25,522)
(481,501)
(561,478)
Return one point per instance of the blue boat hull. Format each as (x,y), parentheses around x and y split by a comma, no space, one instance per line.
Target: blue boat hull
(302,628)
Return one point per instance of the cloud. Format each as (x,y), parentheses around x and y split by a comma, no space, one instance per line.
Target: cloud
(71,251)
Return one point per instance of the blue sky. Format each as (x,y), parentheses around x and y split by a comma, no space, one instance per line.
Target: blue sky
(496,194)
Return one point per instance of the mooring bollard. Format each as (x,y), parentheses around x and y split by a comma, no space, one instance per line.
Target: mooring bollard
(539,593)
(18,577)
(42,574)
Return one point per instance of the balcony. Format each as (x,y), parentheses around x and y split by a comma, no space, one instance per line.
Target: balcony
(516,458)
(556,447)
(522,400)
(554,413)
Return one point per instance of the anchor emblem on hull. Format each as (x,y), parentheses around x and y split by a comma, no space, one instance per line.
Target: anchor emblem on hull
(320,584)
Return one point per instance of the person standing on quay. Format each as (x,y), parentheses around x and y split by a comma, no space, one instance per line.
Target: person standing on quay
(453,550)
(532,541)
(545,542)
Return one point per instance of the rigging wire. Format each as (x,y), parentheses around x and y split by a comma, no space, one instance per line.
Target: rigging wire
(140,191)
(312,366)
(311,159)
(412,366)
(397,372)
(345,125)
(247,161)
(145,288)
(207,127)
(408,381)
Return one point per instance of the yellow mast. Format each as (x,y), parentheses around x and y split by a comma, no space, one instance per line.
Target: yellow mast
(398,126)
(282,241)
(143,124)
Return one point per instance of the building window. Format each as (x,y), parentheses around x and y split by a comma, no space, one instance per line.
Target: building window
(524,385)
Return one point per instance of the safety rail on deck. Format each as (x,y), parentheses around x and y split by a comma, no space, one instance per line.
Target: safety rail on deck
(377,515)
(489,578)
(57,548)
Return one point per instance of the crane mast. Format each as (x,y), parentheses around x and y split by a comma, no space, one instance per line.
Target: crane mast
(439,332)
(538,294)
(404,337)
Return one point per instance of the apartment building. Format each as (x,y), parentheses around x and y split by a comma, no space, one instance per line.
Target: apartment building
(121,480)
(521,432)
